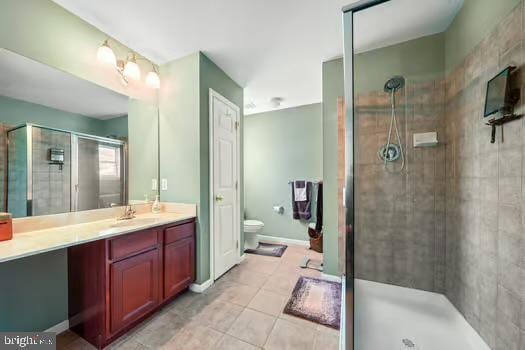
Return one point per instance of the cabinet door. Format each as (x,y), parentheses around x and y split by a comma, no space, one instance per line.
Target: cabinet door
(134,288)
(179,266)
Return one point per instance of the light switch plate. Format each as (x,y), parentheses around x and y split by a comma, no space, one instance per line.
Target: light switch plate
(153,184)
(164,184)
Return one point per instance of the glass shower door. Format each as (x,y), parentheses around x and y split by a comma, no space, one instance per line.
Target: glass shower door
(17,173)
(101,169)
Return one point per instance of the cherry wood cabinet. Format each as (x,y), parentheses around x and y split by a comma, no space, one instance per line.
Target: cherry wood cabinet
(134,288)
(116,283)
(179,266)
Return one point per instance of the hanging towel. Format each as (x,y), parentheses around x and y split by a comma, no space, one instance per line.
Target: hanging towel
(299,190)
(302,210)
(319,213)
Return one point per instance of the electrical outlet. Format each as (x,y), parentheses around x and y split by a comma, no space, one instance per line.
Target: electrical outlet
(164,184)
(154,184)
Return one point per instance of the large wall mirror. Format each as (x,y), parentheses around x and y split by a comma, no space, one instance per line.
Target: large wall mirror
(67,144)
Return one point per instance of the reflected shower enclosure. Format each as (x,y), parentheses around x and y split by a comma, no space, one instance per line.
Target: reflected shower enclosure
(51,171)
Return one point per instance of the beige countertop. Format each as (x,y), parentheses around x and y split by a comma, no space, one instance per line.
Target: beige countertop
(35,242)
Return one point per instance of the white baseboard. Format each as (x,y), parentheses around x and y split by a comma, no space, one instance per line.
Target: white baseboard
(200,288)
(332,278)
(59,328)
(273,239)
(242,258)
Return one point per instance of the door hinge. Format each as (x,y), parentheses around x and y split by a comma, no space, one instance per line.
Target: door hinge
(236,125)
(236,185)
(237,244)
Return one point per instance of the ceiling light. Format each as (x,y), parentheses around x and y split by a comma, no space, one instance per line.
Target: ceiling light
(276,102)
(131,69)
(106,55)
(153,80)
(250,105)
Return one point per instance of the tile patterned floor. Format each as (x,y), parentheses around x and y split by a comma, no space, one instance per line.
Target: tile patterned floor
(241,311)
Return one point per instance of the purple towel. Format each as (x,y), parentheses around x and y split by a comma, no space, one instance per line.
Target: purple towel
(302,210)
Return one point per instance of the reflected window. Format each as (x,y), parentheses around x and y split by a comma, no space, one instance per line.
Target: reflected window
(109,161)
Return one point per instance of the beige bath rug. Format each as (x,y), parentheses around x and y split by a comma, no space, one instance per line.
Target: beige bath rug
(316,300)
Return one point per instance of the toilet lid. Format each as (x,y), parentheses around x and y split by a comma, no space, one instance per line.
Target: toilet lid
(253,223)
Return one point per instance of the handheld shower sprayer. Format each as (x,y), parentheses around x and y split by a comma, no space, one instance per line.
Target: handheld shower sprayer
(390,151)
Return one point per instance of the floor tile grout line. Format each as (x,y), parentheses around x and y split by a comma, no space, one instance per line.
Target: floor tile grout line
(273,325)
(270,333)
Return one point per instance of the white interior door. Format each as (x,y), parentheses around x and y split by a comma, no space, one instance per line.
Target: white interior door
(225,175)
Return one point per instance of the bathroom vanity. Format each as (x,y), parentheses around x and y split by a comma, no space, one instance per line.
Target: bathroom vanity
(116,283)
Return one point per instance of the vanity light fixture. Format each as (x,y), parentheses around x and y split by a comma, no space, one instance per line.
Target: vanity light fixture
(128,69)
(106,55)
(131,69)
(153,79)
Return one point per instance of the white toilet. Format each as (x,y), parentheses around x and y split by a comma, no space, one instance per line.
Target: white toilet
(251,229)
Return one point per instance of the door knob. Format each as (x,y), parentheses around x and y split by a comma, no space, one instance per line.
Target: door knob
(218,198)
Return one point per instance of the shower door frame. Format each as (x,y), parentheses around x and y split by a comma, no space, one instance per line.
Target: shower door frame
(350,147)
(75,136)
(74,158)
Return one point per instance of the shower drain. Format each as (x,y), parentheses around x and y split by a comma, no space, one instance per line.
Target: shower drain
(409,344)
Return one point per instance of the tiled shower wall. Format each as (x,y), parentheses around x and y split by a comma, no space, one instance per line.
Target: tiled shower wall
(485,251)
(453,222)
(401,213)
(51,183)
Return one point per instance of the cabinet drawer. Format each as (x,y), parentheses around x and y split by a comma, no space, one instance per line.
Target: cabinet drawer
(175,233)
(132,243)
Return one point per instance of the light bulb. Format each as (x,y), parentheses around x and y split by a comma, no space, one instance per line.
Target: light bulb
(153,80)
(131,69)
(106,55)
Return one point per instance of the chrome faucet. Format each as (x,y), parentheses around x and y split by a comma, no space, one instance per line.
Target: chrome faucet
(129,213)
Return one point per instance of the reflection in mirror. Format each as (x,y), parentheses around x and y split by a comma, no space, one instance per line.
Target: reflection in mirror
(63,141)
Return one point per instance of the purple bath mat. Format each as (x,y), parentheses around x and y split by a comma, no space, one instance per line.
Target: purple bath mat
(268,249)
(316,300)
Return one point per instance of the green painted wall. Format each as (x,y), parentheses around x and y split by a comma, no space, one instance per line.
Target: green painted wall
(14,112)
(212,77)
(281,146)
(333,88)
(184,140)
(179,129)
(118,126)
(33,292)
(474,22)
(45,32)
(418,59)
(143,154)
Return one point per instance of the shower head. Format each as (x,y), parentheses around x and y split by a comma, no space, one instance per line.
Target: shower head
(394,84)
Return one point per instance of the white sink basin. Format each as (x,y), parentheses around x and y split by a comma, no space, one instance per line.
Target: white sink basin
(134,222)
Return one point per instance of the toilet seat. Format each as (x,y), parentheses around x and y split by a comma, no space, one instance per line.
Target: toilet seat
(253,225)
(251,228)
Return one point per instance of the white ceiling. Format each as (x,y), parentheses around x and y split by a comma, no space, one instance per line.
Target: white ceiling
(401,20)
(273,48)
(27,80)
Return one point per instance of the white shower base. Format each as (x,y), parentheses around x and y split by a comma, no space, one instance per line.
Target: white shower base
(386,314)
